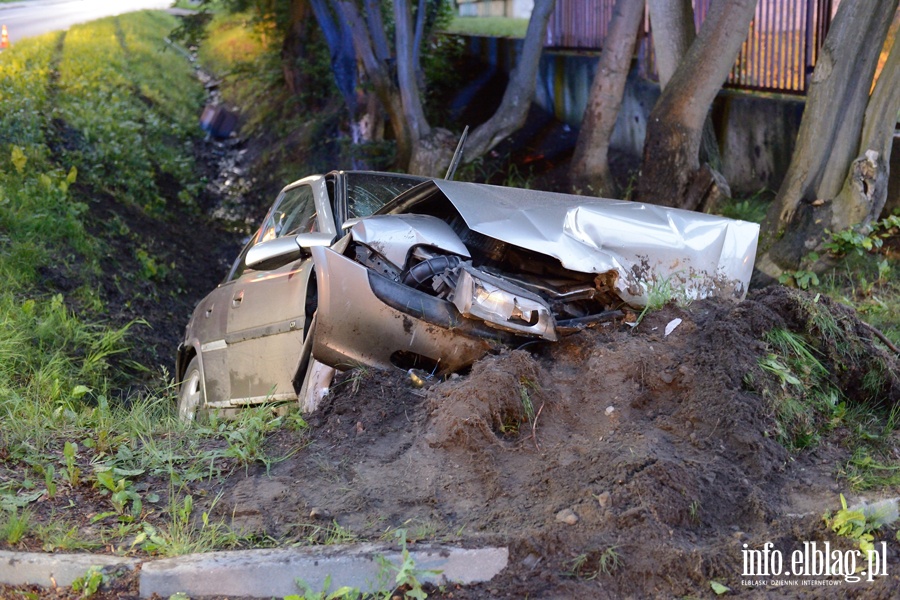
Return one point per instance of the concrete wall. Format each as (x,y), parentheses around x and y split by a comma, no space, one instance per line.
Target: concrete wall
(756,138)
(518,9)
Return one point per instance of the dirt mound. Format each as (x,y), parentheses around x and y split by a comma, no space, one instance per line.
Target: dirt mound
(618,462)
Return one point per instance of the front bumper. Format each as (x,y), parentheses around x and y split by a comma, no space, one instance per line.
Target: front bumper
(366,318)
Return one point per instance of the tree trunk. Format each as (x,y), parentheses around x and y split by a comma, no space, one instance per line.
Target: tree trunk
(590,164)
(407,82)
(519,93)
(340,46)
(379,76)
(293,47)
(838,174)
(675,127)
(673,33)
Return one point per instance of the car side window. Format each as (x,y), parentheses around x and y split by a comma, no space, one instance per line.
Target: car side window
(294,212)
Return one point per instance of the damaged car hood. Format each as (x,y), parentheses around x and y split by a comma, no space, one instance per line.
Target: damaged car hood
(694,255)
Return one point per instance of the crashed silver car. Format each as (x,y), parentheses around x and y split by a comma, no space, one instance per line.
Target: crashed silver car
(388,270)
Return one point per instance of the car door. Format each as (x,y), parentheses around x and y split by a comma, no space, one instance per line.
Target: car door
(267,309)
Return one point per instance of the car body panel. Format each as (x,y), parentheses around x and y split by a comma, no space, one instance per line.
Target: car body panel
(265,331)
(393,236)
(356,327)
(699,254)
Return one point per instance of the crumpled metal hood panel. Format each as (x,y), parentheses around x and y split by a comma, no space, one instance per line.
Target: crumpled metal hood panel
(695,254)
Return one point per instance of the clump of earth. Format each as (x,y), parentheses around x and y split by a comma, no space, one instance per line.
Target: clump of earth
(618,462)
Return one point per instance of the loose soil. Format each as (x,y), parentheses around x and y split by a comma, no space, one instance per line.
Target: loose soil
(652,444)
(619,462)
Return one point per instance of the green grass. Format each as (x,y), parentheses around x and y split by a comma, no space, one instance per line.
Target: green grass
(488,26)
(751,209)
(104,109)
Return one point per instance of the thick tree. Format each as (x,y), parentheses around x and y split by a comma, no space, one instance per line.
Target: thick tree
(590,164)
(838,174)
(671,173)
(393,71)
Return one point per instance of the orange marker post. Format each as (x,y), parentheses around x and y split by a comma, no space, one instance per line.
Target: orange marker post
(4,38)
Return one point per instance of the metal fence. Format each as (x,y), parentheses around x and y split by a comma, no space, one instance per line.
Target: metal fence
(779,53)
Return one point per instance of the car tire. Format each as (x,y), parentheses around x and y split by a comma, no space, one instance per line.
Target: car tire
(191,395)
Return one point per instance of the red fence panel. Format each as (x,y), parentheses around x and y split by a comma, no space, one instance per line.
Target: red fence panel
(780,51)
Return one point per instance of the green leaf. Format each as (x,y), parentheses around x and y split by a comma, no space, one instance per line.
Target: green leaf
(73,174)
(80,390)
(18,159)
(718,588)
(12,502)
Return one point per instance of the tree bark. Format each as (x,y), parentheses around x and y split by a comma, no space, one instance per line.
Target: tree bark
(379,76)
(519,93)
(675,127)
(407,82)
(672,24)
(838,173)
(865,187)
(340,46)
(673,33)
(590,164)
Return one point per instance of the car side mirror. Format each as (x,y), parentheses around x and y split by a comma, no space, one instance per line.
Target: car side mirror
(272,254)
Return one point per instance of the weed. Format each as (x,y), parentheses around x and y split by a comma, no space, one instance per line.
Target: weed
(327,535)
(578,567)
(181,536)
(308,593)
(48,471)
(862,522)
(800,278)
(406,575)
(805,401)
(861,239)
(864,471)
(57,535)
(525,385)
(15,525)
(610,561)
(247,434)
(694,511)
(751,209)
(589,565)
(121,493)
(89,583)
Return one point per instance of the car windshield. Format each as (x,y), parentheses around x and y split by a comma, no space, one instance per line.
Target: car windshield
(367,192)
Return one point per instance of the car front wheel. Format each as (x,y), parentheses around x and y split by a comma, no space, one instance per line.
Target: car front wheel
(191,399)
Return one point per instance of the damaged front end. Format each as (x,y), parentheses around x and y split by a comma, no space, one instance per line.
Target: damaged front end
(405,290)
(451,270)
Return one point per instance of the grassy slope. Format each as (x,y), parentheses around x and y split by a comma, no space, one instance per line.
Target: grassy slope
(114,121)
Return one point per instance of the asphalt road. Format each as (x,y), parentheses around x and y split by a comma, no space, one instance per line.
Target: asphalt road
(34,17)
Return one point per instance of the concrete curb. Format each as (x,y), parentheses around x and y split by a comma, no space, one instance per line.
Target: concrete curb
(51,570)
(263,573)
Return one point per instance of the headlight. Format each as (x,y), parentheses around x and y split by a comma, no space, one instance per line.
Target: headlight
(502,304)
